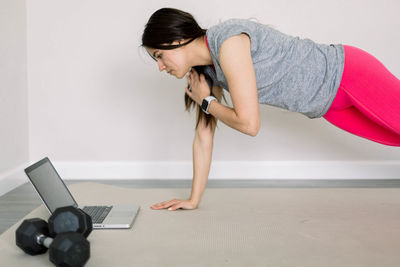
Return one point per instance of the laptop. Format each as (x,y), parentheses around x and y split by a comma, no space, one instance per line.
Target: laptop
(54,194)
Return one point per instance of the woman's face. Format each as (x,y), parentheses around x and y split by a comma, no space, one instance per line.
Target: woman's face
(172,61)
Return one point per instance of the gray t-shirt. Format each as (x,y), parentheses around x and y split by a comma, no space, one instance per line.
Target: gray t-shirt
(291,73)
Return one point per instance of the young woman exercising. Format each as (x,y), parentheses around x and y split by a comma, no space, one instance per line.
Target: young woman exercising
(258,64)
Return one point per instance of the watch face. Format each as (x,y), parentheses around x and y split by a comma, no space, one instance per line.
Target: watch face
(204,105)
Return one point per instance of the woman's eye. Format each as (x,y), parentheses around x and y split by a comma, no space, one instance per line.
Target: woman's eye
(157,56)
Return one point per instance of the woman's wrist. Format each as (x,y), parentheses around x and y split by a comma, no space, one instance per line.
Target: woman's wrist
(195,201)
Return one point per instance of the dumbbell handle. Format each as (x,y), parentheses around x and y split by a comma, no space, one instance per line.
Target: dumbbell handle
(44,240)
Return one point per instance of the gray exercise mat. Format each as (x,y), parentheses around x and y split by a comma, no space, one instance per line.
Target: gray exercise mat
(239,227)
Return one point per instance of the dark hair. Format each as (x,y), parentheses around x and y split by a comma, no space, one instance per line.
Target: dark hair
(167,25)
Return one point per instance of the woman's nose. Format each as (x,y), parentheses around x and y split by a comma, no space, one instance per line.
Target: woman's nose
(161,66)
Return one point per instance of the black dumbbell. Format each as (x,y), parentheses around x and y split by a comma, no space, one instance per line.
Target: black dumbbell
(70,219)
(66,249)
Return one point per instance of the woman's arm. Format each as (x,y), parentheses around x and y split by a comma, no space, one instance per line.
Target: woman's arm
(229,116)
(202,155)
(237,65)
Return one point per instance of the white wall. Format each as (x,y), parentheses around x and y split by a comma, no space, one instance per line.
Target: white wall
(13,94)
(96,99)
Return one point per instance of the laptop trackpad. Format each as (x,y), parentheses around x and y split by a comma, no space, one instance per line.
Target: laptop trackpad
(121,213)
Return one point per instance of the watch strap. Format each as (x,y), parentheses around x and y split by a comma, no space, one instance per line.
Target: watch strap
(205,105)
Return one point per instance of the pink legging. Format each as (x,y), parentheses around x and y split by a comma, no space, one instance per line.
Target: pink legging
(367,103)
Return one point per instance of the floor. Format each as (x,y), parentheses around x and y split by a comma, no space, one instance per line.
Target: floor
(15,204)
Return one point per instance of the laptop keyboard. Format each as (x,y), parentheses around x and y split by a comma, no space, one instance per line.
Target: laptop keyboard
(98,213)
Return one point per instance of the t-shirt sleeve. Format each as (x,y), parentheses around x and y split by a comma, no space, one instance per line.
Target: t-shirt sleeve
(221,32)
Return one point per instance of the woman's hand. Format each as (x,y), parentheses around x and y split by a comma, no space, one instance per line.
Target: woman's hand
(199,86)
(175,204)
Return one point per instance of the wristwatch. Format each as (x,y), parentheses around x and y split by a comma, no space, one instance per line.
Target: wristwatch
(206,103)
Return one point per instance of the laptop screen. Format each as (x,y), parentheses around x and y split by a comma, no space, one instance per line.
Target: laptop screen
(49,185)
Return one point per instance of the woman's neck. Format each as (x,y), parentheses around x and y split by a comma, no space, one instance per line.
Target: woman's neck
(200,55)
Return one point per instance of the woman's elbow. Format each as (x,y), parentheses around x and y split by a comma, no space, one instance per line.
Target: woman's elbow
(253,129)
(254,132)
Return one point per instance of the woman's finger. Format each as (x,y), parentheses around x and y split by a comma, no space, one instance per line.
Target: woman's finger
(160,204)
(176,206)
(195,76)
(165,204)
(167,201)
(170,202)
(202,77)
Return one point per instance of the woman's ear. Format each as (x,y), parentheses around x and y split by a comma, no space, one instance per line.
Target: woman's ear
(176,42)
(179,42)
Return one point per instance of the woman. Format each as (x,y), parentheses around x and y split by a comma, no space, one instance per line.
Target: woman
(257,64)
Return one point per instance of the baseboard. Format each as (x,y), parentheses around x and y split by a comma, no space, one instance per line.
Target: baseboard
(232,170)
(12,179)
(338,170)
